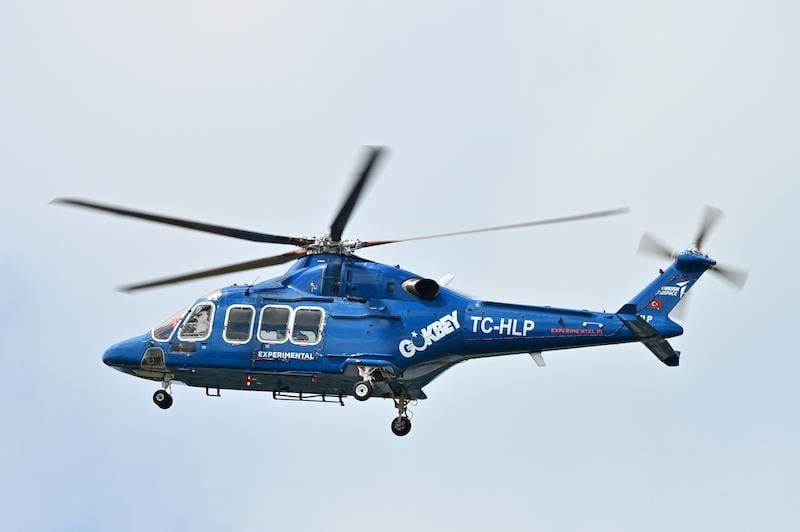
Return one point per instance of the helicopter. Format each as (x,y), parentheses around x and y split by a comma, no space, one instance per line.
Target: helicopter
(337,325)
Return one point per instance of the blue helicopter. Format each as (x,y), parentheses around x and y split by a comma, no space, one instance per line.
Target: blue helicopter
(336,324)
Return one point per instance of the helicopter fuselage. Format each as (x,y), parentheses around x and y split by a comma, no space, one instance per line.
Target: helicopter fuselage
(332,319)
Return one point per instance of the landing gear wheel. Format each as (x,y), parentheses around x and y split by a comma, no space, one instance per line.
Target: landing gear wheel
(401,426)
(362,390)
(162,399)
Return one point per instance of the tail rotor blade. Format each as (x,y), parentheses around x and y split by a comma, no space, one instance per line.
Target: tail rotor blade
(711,217)
(737,278)
(681,310)
(650,245)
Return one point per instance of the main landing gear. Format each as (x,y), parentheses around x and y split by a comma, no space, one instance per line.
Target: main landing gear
(362,390)
(162,398)
(401,425)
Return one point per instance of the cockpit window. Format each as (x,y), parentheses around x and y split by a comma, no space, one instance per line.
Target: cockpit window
(239,324)
(163,332)
(307,325)
(274,327)
(197,326)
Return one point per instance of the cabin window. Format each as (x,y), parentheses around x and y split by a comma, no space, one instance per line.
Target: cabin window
(239,324)
(274,327)
(197,326)
(163,332)
(307,325)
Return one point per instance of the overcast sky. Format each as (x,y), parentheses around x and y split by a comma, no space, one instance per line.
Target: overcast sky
(252,114)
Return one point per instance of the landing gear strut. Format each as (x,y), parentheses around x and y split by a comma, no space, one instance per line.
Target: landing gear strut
(162,398)
(401,425)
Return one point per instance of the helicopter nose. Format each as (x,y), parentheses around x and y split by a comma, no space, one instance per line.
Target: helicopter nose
(118,355)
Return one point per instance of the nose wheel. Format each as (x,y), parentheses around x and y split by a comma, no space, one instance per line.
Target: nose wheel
(162,399)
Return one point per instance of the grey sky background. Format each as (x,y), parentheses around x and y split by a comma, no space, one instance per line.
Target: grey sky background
(252,114)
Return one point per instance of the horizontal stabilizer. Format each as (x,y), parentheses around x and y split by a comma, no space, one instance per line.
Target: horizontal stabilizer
(653,341)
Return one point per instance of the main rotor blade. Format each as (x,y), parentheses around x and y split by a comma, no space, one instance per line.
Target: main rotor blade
(737,278)
(239,267)
(575,218)
(370,160)
(650,245)
(188,224)
(711,216)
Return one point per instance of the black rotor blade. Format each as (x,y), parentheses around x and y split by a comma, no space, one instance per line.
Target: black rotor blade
(239,267)
(575,218)
(188,224)
(371,159)
(737,278)
(711,216)
(650,245)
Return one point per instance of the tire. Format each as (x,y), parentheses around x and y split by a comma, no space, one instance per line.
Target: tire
(162,399)
(362,390)
(401,426)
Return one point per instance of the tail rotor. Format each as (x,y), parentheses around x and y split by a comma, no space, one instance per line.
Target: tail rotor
(711,217)
(650,245)
(737,278)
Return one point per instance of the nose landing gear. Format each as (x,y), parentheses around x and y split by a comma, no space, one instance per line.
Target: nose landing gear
(162,398)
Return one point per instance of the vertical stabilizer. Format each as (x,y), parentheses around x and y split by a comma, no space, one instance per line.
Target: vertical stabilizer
(661,296)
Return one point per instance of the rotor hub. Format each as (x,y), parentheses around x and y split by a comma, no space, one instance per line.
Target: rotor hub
(325,244)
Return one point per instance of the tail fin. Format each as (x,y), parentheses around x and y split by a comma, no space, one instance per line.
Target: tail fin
(661,296)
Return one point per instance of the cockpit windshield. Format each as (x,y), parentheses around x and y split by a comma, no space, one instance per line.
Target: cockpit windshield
(197,326)
(163,332)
